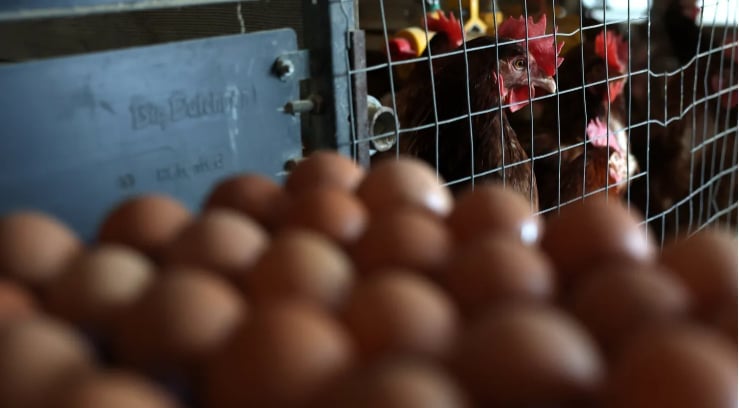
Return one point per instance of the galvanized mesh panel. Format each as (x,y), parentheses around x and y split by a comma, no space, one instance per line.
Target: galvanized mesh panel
(677,125)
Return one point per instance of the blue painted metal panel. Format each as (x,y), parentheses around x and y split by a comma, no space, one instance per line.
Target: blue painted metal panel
(81,133)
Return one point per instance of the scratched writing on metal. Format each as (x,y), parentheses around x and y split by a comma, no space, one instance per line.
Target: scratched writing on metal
(179,171)
(180,106)
(126,181)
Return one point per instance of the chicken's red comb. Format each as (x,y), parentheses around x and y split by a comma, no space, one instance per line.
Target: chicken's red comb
(615,47)
(542,48)
(401,49)
(449,26)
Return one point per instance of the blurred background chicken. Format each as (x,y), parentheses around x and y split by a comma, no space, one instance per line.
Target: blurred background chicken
(690,143)
(683,34)
(445,35)
(485,145)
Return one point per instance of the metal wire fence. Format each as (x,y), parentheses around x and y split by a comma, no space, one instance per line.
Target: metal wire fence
(644,109)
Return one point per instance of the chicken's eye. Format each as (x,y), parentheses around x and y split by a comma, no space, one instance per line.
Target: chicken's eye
(519,64)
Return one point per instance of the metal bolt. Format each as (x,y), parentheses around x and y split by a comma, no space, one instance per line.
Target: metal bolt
(300,106)
(284,68)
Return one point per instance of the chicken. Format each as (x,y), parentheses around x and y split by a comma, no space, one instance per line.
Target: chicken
(447,36)
(682,32)
(445,33)
(586,176)
(595,114)
(668,43)
(482,146)
(691,143)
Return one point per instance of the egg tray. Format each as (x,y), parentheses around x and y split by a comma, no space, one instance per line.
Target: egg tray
(82,132)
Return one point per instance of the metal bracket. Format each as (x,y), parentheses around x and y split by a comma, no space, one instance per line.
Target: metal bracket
(358,57)
(326,24)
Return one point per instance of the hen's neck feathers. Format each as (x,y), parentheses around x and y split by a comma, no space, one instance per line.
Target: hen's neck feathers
(493,140)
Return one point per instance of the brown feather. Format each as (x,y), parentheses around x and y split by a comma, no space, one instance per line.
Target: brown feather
(465,146)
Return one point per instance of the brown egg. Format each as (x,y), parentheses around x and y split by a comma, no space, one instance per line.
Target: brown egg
(675,367)
(253,195)
(528,356)
(34,247)
(184,317)
(114,390)
(583,236)
(400,312)
(397,383)
(617,301)
(16,303)
(283,356)
(39,356)
(324,169)
(724,320)
(333,212)
(496,270)
(146,223)
(220,240)
(406,239)
(707,264)
(97,285)
(492,209)
(304,265)
(406,182)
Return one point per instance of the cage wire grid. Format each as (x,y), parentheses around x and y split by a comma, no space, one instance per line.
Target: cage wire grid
(711,128)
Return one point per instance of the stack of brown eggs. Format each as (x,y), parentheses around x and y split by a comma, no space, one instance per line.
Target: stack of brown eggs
(346,289)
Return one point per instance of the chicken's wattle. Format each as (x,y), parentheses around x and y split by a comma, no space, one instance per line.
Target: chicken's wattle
(518,98)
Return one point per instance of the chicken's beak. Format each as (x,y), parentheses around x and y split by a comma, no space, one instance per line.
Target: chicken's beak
(547,83)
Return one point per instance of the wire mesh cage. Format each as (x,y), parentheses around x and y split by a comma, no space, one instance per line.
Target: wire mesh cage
(564,100)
